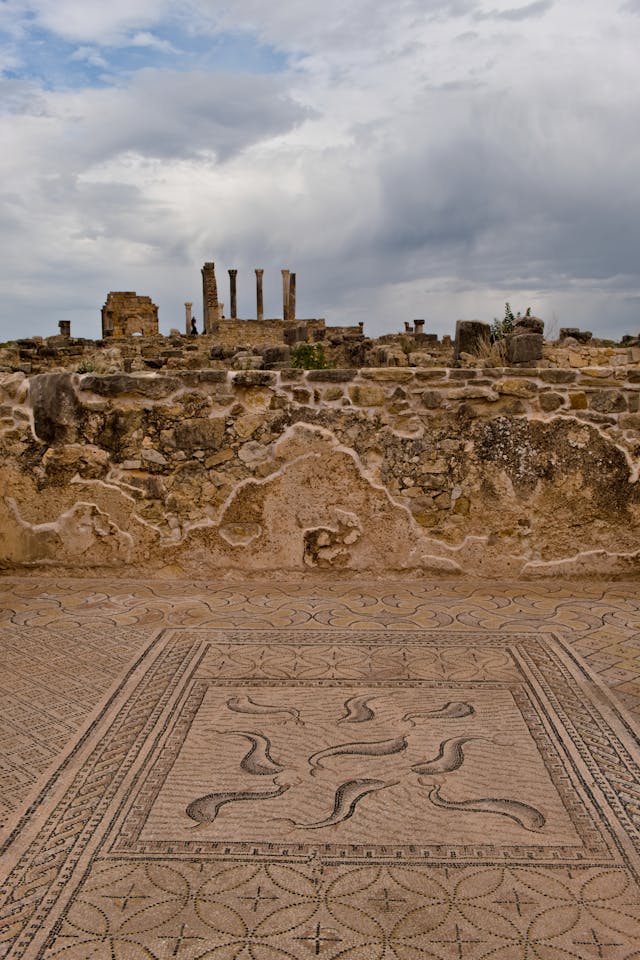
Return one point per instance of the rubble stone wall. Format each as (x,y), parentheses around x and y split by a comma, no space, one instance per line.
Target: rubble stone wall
(258,333)
(390,471)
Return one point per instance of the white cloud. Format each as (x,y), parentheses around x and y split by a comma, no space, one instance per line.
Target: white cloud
(146,39)
(89,55)
(430,159)
(93,21)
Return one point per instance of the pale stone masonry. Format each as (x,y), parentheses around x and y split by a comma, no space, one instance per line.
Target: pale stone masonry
(211,308)
(520,473)
(125,313)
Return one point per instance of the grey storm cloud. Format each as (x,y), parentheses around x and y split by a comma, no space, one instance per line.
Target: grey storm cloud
(171,115)
(536,9)
(460,149)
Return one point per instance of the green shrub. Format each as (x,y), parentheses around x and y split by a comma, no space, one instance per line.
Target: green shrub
(309,356)
(500,328)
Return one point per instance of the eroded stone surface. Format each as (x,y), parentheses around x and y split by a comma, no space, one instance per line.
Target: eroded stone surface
(518,472)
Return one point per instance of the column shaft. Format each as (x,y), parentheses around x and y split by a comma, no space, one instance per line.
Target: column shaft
(292,297)
(233,297)
(285,294)
(259,300)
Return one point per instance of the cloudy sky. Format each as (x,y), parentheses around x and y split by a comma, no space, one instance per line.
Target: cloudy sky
(416,158)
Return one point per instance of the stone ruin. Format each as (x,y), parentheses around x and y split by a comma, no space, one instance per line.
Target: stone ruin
(213,308)
(215,455)
(125,314)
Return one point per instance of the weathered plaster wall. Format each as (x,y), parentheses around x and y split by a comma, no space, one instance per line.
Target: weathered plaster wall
(378,471)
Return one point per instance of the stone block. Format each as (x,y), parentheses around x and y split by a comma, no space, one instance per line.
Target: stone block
(607,401)
(246,426)
(391,374)
(276,354)
(472,336)
(471,393)
(558,376)
(524,347)
(578,401)
(432,399)
(332,393)
(597,372)
(56,410)
(575,333)
(629,421)
(420,359)
(200,433)
(514,387)
(254,378)
(221,456)
(435,373)
(246,361)
(529,325)
(117,384)
(550,401)
(331,376)
(149,455)
(301,395)
(367,395)
(192,378)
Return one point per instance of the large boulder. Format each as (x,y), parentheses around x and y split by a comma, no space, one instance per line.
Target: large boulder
(57,414)
(524,348)
(472,336)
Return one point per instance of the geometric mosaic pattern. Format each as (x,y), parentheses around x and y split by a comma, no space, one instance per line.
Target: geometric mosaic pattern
(340,792)
(51,681)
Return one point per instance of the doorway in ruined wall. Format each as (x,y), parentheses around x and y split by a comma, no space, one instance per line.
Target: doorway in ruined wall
(134,327)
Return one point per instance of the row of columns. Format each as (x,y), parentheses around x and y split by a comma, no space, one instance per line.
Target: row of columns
(213,308)
(288,294)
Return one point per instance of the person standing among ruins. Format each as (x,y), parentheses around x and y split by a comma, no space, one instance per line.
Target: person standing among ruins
(194,329)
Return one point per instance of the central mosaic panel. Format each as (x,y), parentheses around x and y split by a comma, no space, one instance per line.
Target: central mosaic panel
(416,747)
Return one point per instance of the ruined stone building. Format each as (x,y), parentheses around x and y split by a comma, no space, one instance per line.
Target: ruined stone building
(125,314)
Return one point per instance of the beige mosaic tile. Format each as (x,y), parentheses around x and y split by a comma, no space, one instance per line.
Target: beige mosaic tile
(348,771)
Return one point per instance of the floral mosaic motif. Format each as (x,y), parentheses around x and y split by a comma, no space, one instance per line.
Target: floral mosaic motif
(193,910)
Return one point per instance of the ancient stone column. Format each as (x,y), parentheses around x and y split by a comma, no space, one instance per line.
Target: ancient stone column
(233,297)
(418,326)
(210,305)
(285,294)
(259,300)
(64,326)
(187,317)
(292,297)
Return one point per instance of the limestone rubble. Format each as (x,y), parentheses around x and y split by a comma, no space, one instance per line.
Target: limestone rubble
(494,472)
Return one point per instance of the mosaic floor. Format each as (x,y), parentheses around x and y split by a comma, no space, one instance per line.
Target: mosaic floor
(409,770)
